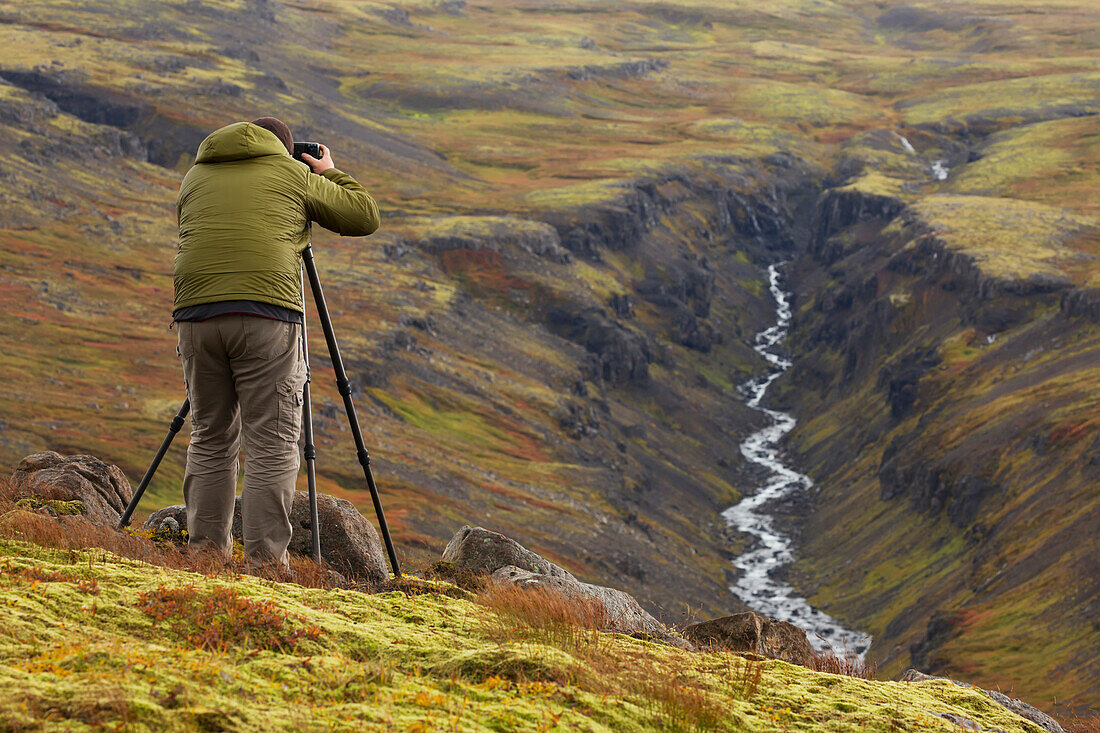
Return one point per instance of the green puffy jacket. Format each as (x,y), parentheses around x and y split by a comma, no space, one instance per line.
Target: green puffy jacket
(244,210)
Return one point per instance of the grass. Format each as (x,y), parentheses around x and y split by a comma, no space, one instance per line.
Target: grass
(414,661)
(1049,162)
(1006,238)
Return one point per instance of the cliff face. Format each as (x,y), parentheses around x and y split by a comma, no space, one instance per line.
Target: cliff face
(947,411)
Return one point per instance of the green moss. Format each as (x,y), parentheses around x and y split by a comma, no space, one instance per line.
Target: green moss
(1008,100)
(1007,238)
(57,505)
(1050,162)
(391,660)
(579,194)
(876,184)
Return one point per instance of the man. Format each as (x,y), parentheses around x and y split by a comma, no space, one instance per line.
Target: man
(244,211)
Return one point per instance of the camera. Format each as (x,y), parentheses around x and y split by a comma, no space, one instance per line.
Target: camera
(313,149)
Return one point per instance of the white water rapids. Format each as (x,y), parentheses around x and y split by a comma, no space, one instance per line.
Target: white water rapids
(771,549)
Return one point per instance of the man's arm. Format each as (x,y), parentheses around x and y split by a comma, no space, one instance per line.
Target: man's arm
(336,201)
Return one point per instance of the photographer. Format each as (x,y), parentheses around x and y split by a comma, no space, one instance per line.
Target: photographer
(244,211)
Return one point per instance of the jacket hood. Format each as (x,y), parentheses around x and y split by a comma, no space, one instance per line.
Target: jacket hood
(239,141)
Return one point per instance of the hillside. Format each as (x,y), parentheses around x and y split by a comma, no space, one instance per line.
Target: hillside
(546,336)
(164,649)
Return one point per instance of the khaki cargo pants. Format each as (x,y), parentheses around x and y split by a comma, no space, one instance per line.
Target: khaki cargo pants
(244,378)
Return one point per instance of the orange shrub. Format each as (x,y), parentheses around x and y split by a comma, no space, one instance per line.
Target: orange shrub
(222,618)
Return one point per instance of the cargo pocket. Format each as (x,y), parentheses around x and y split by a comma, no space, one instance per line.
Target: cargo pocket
(290,405)
(185,345)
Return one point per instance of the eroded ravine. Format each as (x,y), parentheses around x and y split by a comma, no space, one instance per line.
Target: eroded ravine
(771,548)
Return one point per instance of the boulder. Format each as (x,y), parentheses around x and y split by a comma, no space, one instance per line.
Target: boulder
(482,552)
(1021,708)
(349,542)
(101,488)
(751,632)
(624,614)
(170,519)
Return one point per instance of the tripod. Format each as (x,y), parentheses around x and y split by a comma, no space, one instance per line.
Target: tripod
(309,450)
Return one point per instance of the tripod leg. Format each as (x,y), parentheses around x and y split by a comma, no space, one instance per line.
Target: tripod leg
(344,387)
(308,449)
(173,428)
(311,474)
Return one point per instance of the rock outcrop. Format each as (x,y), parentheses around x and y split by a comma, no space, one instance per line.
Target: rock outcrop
(619,354)
(483,552)
(480,551)
(100,487)
(1019,707)
(751,632)
(349,542)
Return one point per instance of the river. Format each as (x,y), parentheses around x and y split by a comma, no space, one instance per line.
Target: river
(770,548)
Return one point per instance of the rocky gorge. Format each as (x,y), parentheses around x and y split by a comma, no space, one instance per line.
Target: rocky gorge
(549,334)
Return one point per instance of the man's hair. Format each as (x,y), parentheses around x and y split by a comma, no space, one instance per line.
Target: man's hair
(277,126)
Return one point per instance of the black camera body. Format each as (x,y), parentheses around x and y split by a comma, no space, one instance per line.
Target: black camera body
(313,149)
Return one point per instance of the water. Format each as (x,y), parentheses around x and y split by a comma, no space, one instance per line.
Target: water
(906,144)
(939,168)
(772,549)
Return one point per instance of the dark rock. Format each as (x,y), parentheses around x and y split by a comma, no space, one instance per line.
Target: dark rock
(423,323)
(751,632)
(622,355)
(1019,707)
(624,614)
(580,422)
(1082,303)
(903,380)
(624,70)
(240,51)
(482,552)
(961,488)
(349,542)
(943,626)
(453,7)
(838,209)
(622,304)
(693,333)
(101,487)
(919,20)
(496,234)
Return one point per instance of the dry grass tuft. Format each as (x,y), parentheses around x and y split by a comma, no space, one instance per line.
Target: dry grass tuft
(849,666)
(677,697)
(546,616)
(666,682)
(75,532)
(1090,723)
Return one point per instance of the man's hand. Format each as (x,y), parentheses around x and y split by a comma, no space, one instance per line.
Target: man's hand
(322,165)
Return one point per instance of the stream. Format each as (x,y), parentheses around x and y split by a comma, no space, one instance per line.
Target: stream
(771,548)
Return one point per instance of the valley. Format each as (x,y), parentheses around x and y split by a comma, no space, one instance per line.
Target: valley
(580,202)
